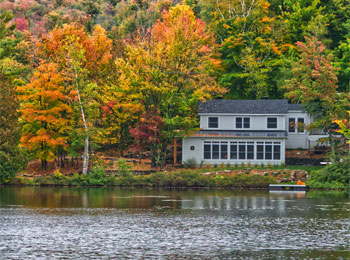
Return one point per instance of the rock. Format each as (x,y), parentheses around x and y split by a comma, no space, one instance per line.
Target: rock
(227,171)
(284,180)
(206,173)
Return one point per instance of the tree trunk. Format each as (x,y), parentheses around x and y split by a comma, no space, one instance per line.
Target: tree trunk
(86,143)
(332,146)
(86,155)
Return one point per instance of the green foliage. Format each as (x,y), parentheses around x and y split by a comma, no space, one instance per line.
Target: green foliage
(335,176)
(186,178)
(123,169)
(190,163)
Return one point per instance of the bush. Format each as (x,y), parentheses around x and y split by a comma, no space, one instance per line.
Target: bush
(190,163)
(10,163)
(123,169)
(335,176)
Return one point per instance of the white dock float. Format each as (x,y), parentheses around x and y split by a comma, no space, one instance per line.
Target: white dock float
(287,187)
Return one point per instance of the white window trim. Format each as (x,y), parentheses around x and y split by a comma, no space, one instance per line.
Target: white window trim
(218,122)
(296,126)
(255,144)
(267,122)
(250,123)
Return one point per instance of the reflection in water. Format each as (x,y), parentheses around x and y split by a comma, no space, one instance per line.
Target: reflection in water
(144,223)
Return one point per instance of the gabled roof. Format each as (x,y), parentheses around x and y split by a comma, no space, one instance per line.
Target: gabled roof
(295,107)
(262,106)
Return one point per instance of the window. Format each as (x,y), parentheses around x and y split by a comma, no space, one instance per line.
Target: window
(272,122)
(215,150)
(300,125)
(268,151)
(291,126)
(276,151)
(260,151)
(233,149)
(242,122)
(250,151)
(238,122)
(213,122)
(296,125)
(207,150)
(242,149)
(223,154)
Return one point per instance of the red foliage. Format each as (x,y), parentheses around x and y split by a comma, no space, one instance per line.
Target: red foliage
(21,24)
(147,130)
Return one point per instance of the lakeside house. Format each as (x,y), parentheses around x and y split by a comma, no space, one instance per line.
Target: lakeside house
(248,131)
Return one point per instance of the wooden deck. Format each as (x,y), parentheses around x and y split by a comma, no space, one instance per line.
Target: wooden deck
(287,187)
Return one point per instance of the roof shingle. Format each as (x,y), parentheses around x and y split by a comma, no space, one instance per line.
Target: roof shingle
(262,106)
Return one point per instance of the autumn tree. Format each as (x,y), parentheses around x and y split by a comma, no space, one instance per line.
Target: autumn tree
(147,133)
(83,60)
(314,85)
(171,72)
(45,113)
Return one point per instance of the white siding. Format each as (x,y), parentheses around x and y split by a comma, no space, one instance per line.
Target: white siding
(298,140)
(257,122)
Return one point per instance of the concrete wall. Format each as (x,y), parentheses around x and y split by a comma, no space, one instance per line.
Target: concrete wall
(257,122)
(198,155)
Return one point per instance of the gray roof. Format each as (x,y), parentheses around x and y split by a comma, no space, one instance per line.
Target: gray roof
(242,134)
(262,106)
(295,107)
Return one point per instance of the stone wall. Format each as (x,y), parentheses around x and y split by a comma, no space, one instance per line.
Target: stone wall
(304,161)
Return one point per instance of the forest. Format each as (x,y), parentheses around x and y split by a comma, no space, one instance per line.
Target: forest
(81,76)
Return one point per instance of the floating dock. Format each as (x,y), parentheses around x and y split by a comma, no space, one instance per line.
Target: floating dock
(288,187)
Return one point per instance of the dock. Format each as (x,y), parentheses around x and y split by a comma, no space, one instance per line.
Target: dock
(288,187)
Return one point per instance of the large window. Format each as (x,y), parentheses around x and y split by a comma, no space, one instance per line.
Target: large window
(213,122)
(296,125)
(242,150)
(216,150)
(268,151)
(272,122)
(242,122)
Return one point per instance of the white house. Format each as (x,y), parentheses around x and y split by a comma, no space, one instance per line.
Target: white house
(247,131)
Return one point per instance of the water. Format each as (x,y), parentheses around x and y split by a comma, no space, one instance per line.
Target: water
(98,223)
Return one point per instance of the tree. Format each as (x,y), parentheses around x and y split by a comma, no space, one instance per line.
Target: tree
(84,61)
(45,113)
(147,132)
(314,85)
(251,40)
(171,71)
(11,159)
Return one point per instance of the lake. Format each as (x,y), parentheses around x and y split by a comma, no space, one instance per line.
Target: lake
(114,223)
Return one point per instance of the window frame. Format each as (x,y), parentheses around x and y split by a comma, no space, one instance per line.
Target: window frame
(296,125)
(267,122)
(243,117)
(217,123)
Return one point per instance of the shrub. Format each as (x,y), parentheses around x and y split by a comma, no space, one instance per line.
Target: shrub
(123,169)
(190,163)
(336,175)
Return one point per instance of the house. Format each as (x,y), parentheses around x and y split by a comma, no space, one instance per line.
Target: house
(247,131)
